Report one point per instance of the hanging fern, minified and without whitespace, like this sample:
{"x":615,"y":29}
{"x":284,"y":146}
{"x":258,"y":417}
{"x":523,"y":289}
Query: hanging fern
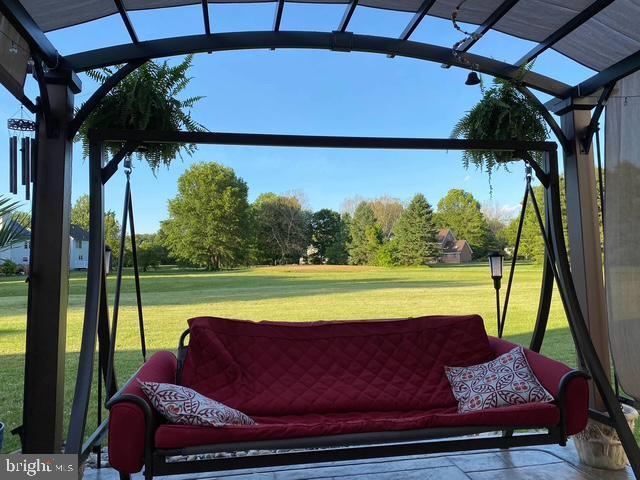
{"x":147,"y":99}
{"x":503,"y":113}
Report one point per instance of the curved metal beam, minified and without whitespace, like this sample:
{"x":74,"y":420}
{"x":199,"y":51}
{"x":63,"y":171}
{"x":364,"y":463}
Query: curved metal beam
{"x":546,"y":114}
{"x":312,"y":40}
{"x":544,"y":306}
{"x":97,"y":96}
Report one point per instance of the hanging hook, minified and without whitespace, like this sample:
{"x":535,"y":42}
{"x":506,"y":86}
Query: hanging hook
{"x":128,"y":167}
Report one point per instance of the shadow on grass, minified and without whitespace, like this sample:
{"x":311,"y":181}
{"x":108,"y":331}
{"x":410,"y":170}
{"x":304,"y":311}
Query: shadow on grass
{"x":260,"y":287}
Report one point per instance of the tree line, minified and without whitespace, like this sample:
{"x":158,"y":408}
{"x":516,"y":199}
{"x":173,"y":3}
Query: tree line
{"x":213,"y":225}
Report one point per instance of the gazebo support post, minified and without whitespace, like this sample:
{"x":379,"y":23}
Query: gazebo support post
{"x":77,"y":422}
{"x":49,"y":269}
{"x":584,"y":232}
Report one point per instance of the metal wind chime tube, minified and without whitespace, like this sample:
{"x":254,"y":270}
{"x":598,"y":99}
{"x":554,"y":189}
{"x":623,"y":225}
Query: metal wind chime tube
{"x":23,"y":130}
{"x":13,"y":165}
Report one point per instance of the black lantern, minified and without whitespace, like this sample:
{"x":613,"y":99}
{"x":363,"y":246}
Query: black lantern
{"x":107,"y":259}
{"x":472,"y":79}
{"x":496,"y":264}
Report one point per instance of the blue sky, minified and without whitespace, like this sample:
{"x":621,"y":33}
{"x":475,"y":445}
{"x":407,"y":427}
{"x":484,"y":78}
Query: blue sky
{"x":310,"y":92}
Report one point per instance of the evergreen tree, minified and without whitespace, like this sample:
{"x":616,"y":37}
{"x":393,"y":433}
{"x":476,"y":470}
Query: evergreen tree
{"x":461,"y":212}
{"x":415,"y":233}
{"x":531,"y":243}
{"x":366,"y":236}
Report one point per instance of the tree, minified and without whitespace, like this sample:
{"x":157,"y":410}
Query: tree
{"x":208,"y":223}
{"x":532,"y":245}
{"x":498,"y":218}
{"x":415,"y":233}
{"x":80,"y":217}
{"x":387,"y":254}
{"x":366,"y":236}
{"x":387,"y":211}
{"x":461,"y":212}
{"x":151,"y":252}
{"x":281,"y":228}
{"x":328,"y":237}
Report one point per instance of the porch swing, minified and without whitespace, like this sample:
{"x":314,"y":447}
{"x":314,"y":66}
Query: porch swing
{"x":294,"y":416}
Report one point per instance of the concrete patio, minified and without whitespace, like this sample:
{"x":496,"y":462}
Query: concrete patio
{"x":543,"y":463}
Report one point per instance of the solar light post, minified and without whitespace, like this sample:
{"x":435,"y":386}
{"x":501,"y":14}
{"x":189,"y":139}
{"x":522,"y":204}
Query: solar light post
{"x":107,"y":259}
{"x":496,"y":264}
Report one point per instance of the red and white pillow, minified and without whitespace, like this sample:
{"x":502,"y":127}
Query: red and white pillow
{"x":185,"y":406}
{"x":506,"y":380}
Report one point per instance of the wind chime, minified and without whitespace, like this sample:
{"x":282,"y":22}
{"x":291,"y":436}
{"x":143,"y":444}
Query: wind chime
{"x":22,"y":140}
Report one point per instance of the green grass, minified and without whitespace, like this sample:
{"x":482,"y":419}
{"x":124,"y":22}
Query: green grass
{"x":171,"y":296}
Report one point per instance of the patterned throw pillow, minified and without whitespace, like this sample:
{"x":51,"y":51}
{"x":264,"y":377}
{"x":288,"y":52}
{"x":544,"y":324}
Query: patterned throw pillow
{"x":506,"y":380}
{"x":186,"y":406}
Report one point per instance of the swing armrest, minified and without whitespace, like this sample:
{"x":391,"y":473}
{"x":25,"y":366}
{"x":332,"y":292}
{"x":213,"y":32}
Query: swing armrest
{"x":132,"y":418}
{"x":568,"y":386}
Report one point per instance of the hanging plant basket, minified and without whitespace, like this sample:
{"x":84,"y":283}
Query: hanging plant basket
{"x":503,"y":113}
{"x":147,"y":99}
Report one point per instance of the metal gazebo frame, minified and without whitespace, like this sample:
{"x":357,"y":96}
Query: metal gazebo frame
{"x":58,"y":83}
{"x":96,"y":321}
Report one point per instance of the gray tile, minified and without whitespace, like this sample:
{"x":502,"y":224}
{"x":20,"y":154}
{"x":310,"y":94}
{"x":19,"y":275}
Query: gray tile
{"x":538,"y":472}
{"x":570,"y":455}
{"x":341,"y":469}
{"x":539,"y":463}
{"x":477,"y":462}
{"x":442,"y":473}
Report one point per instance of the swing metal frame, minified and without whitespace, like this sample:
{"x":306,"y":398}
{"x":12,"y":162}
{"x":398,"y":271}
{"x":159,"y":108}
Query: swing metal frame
{"x":556,"y":270}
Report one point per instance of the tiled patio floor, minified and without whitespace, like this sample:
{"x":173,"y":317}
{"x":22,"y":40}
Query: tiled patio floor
{"x":540,"y":463}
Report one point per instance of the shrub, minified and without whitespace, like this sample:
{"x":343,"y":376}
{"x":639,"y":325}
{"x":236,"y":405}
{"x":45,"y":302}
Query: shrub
{"x":387,"y":255}
{"x":9,"y":268}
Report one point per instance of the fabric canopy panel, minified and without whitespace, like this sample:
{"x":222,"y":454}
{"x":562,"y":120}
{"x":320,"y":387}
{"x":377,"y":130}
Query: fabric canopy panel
{"x":601,"y":41}
{"x":622,"y":230}
{"x":14,"y":53}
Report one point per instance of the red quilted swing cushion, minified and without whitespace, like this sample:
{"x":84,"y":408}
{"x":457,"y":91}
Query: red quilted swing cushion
{"x":331,"y":367}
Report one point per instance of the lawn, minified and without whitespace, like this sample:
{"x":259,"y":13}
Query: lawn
{"x":305,"y":293}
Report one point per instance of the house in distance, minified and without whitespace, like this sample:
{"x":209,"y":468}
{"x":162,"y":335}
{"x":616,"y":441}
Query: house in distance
{"x":453,"y":250}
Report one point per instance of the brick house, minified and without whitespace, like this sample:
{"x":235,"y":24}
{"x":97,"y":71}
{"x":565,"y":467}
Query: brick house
{"x":453,"y":250}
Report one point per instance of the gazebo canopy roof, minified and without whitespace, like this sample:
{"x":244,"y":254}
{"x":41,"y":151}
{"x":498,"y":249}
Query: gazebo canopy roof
{"x":607,"y":33}
{"x":600,"y":34}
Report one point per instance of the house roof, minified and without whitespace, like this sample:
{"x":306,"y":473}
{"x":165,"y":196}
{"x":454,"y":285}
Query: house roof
{"x":460,"y":244}
{"x":442,"y":234}
{"x":78,"y":233}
